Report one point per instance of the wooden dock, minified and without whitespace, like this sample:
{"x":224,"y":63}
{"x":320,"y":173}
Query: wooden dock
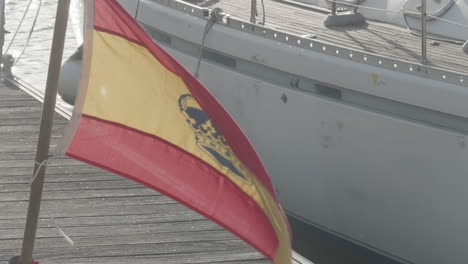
{"x":109,"y":218}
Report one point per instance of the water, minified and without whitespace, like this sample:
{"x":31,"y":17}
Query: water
{"x":33,"y":64}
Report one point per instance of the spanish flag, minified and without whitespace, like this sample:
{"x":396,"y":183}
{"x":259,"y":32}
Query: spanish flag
{"x":141,"y":115}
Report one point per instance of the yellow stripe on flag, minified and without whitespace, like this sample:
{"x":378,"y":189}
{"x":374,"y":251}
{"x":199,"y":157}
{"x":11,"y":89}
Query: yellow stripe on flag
{"x":130,"y":87}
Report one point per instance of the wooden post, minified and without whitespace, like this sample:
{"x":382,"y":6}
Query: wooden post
{"x":43,"y":143}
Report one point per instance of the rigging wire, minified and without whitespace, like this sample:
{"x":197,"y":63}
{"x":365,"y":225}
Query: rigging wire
{"x":408,"y":12}
{"x":418,"y":34}
{"x":448,"y":21}
{"x":18,"y":27}
{"x":30,"y":32}
{"x":367,"y":7}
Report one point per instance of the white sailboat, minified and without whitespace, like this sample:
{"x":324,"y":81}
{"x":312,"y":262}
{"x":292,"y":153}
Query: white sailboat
{"x":362,"y":136}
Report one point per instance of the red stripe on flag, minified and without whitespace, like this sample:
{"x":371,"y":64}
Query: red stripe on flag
{"x":110,"y":17}
{"x":166,"y":168}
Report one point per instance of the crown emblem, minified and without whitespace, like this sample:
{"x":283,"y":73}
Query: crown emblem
{"x":208,"y":137}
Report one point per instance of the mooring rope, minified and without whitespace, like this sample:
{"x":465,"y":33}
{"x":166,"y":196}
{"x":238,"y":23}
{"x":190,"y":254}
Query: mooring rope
{"x":209,"y":24}
{"x":55,"y":224}
{"x":39,"y":167}
{"x":263,"y":13}
{"x":60,"y":230}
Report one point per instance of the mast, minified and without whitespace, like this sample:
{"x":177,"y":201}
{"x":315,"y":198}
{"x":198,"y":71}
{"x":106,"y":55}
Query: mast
{"x":253,"y":11}
{"x":423,"y":32}
{"x":43,"y":143}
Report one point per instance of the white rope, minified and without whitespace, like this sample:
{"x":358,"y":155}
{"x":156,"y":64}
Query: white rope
{"x":59,"y":230}
{"x":39,"y":167}
{"x":56,"y":225}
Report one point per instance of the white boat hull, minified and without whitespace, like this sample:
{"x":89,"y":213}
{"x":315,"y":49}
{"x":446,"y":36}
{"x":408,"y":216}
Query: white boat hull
{"x":376,"y":178}
{"x":392,"y":184}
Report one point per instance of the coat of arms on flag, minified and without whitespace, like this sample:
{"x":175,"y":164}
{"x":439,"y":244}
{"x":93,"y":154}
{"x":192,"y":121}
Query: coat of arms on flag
{"x":141,"y":115}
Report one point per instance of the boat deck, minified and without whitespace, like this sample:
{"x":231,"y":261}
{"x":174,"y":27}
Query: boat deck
{"x":109,"y":218}
{"x":372,"y":37}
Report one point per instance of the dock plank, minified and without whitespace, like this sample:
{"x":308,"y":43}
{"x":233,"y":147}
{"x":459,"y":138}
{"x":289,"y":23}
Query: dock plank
{"x":109,"y":218}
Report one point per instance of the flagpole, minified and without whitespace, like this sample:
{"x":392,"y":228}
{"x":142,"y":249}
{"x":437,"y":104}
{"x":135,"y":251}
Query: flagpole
{"x":43,"y":143}
{"x":2,"y":31}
